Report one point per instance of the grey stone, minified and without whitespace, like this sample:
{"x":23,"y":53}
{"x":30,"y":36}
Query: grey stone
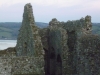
{"x":29,"y":41}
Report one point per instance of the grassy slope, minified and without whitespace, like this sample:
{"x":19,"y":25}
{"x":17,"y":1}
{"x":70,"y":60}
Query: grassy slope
{"x":5,"y":32}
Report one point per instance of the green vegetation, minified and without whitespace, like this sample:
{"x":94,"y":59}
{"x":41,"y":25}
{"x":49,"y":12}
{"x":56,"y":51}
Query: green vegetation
{"x":5,"y":29}
{"x":9,"y":30}
{"x":96,"y":28}
{"x":5,"y":34}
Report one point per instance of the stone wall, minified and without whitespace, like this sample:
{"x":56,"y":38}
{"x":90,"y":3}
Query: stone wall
{"x":5,"y":60}
{"x":27,"y":65}
{"x":76,"y":29}
{"x":64,"y":48}
{"x":5,"y":66}
{"x":21,"y":66}
{"x":82,"y":26}
{"x":71,"y":31}
{"x":54,"y":40}
{"x":88,"y":52}
{"x":28,"y":55}
{"x":29,"y":42}
{"x":9,"y":52}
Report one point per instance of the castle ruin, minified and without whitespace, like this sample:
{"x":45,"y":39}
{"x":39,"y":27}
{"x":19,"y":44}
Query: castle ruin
{"x":63,"y":48}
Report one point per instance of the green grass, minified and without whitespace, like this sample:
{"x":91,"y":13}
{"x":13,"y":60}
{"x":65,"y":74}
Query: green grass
{"x":5,"y":29}
{"x":5,"y":34}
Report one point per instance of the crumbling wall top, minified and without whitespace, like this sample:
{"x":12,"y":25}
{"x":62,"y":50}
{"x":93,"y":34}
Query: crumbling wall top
{"x":28,"y":13}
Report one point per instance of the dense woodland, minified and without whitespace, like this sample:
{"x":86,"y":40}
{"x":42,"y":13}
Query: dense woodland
{"x":9,"y":30}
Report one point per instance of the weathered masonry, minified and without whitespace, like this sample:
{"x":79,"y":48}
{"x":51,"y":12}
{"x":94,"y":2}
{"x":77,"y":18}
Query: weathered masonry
{"x":63,"y":48}
{"x":27,"y":58}
{"x":29,"y":44}
{"x":60,"y":41}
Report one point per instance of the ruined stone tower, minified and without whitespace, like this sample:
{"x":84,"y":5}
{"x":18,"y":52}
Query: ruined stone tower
{"x":63,"y":48}
{"x":29,"y":46}
{"x":29,"y":42}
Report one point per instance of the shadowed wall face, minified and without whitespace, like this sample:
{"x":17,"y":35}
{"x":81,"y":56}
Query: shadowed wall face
{"x":55,"y":50}
{"x":89,"y":55}
{"x":72,"y":38}
{"x":68,"y":58}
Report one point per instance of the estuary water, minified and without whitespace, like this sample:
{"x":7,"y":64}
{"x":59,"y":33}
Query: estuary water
{"x":4,"y":44}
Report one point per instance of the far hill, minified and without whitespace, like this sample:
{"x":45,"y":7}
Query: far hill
{"x":96,"y":28}
{"x":9,"y":30}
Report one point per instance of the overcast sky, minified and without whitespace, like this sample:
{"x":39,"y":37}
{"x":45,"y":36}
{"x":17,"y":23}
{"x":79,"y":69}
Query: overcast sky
{"x":45,"y":10}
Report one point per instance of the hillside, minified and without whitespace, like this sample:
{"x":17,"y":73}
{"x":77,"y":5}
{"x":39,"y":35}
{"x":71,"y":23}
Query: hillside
{"x":96,"y":28}
{"x":9,"y":30}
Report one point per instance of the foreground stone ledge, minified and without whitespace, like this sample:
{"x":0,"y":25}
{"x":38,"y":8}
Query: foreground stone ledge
{"x":21,"y":65}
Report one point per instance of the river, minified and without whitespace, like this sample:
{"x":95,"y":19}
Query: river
{"x":4,"y":44}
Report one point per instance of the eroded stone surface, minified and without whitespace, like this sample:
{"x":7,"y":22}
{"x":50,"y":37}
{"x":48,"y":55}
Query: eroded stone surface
{"x":5,"y":66}
{"x":27,"y":65}
{"x":9,"y":52}
{"x":28,"y":56}
{"x":70,"y":49}
{"x":72,"y":31}
{"x":88,"y":52}
{"x":29,"y":42}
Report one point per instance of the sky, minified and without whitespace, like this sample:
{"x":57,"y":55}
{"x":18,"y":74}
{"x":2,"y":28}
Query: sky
{"x":45,"y":10}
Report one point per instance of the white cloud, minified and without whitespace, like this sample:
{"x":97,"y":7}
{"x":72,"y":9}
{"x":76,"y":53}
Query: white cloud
{"x":58,"y":3}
